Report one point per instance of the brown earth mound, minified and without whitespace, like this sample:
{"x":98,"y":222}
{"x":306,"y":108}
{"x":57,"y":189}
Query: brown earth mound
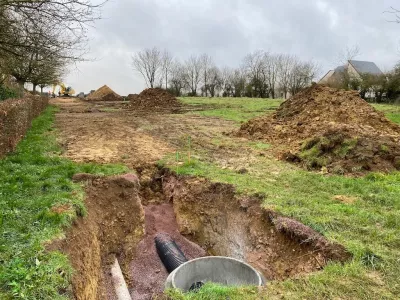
{"x":332,"y":130}
{"x":104,"y":94}
{"x":153,"y":98}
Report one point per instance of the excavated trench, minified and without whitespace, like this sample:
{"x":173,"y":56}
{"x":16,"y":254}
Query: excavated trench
{"x":124,"y":213}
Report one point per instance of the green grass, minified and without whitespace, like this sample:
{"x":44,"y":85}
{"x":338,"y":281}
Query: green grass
{"x":33,"y":180}
{"x":369,"y":228}
{"x":233,"y":109}
{"x":212,"y":291}
{"x":391,"y":111}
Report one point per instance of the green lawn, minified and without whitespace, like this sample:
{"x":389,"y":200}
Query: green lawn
{"x":243,"y":109}
{"x":235,"y":109}
{"x":368,"y":224}
{"x":392,"y":112}
{"x":33,"y":180}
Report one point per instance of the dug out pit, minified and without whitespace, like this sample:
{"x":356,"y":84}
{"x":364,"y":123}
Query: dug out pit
{"x":125,"y":213}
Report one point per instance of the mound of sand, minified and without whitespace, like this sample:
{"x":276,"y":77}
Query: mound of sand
{"x":104,"y":94}
{"x":329,"y":129}
{"x":153,"y":98}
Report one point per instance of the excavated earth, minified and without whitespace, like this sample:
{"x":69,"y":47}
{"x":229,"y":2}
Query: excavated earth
{"x":204,"y":218}
{"x":336,"y":130}
{"x":125,"y":212}
{"x":153,"y":99}
{"x":104,"y":94}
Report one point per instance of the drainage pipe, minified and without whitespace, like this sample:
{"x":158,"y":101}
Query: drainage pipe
{"x":118,"y":280}
{"x":169,"y":252}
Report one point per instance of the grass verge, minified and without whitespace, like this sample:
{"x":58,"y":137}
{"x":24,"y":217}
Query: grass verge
{"x":233,"y":109}
{"x":35,"y":180}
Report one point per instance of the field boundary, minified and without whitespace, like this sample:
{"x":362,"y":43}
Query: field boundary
{"x":16,"y":117}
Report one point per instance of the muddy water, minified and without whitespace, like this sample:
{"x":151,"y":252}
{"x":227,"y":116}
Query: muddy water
{"x":148,"y":273}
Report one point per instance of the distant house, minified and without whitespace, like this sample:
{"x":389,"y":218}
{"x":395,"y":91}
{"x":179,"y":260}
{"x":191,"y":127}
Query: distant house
{"x":354,"y":68}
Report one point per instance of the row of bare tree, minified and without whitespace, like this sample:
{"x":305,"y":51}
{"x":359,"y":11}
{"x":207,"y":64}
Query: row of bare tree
{"x":39,"y":39}
{"x":261,"y":74}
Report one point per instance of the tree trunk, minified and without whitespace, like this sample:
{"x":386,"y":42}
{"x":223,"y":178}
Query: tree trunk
{"x":41,"y":90}
{"x":166,"y":79}
{"x":34,"y":88}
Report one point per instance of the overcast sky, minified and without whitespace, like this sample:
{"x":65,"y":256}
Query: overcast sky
{"x":229,"y":29}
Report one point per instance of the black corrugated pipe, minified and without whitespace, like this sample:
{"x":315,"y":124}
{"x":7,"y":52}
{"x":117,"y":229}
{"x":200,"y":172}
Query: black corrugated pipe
{"x":169,"y":252}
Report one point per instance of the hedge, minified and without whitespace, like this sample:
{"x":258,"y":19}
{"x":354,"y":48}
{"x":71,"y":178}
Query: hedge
{"x":16,"y":116}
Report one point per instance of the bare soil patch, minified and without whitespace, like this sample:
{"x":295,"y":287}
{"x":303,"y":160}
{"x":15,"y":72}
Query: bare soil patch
{"x":322,"y":127}
{"x":89,"y":135}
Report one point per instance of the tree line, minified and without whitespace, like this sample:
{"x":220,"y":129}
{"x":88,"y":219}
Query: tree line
{"x":39,"y":39}
{"x":261,"y":74}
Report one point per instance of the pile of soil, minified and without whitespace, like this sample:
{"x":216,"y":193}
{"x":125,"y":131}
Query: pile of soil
{"x":332,"y":130}
{"x":153,"y":98}
{"x":104,"y":94}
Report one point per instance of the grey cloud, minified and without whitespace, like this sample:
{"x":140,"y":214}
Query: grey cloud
{"x":228,"y":30}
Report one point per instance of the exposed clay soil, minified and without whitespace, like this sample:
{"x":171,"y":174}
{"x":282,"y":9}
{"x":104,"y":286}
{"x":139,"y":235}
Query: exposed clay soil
{"x":153,"y":98}
{"x":148,"y":272}
{"x":113,"y":226}
{"x":323,"y":127}
{"x":215,"y":218}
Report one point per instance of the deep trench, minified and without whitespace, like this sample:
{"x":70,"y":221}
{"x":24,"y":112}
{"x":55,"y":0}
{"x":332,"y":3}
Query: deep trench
{"x":204,"y":218}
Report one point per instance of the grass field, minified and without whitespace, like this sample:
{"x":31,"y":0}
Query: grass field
{"x":365,"y":218}
{"x":392,"y":112}
{"x":33,"y":180}
{"x":235,"y":109}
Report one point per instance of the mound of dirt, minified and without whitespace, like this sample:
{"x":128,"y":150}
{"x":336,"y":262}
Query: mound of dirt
{"x":153,"y":98}
{"x":104,"y":94}
{"x":332,"y":130}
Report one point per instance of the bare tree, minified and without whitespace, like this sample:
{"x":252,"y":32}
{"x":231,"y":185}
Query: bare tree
{"x":271,"y":70}
{"x":285,"y":64}
{"x":177,"y":79}
{"x":61,"y":23}
{"x":301,"y":75}
{"x":349,"y":53}
{"x":206,"y":65}
{"x":214,"y":81}
{"x":148,"y":63}
{"x":226,"y":82}
{"x":193,"y":68}
{"x":166,"y":60}
{"x":253,"y":64}
{"x":396,"y":13}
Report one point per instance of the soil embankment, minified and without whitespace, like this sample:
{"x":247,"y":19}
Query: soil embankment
{"x":328,"y":129}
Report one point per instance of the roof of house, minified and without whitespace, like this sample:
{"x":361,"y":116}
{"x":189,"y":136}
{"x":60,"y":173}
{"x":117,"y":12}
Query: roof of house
{"x":365,"y":67}
{"x":326,"y":76}
{"x":340,"y":69}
